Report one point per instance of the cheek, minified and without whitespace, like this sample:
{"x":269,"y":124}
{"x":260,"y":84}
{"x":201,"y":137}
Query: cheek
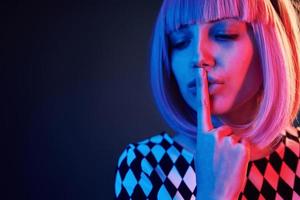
{"x":245,"y":85}
{"x":176,"y":63}
{"x":181,"y":68}
{"x":241,"y":65}
{"x":253,"y":75}
{"x":242,"y":79}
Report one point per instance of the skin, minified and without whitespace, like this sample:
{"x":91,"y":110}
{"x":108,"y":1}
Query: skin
{"x":221,"y":50}
{"x":224,"y":48}
{"x":217,"y":176}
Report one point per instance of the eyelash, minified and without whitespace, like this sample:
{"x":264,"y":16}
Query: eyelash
{"x":181,"y":44}
{"x":225,"y":37}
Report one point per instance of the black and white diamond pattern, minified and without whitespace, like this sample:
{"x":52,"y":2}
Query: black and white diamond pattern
{"x":159,"y":168}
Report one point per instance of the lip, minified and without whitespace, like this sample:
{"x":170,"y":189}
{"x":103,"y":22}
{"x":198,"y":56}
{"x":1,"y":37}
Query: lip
{"x":211,"y":81}
{"x":214,"y":85}
{"x":212,"y":88}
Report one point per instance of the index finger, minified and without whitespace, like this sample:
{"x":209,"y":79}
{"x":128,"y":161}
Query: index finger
{"x":204,"y":123}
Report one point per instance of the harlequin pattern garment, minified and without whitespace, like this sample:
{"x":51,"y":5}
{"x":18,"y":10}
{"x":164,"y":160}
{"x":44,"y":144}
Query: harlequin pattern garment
{"x":159,"y":168}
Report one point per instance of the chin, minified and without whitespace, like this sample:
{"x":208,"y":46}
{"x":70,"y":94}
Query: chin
{"x":218,"y":111}
{"x":219,"y":108}
{"x":215,"y":107}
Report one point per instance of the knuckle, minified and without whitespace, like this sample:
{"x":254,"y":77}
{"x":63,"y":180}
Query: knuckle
{"x":227,"y":140}
{"x":226,"y":127}
{"x":240,"y":146}
{"x":224,"y":130}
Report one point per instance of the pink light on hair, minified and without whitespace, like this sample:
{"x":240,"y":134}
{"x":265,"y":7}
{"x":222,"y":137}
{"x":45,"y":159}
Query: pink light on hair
{"x":276,"y":37}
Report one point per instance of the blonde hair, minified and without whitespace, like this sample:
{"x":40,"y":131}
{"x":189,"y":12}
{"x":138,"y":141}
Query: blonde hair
{"x":275,"y":29}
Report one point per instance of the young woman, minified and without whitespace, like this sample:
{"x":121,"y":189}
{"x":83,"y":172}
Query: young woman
{"x":225,"y":76}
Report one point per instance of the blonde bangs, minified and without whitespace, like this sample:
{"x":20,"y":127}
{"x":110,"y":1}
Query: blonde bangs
{"x":182,"y":12}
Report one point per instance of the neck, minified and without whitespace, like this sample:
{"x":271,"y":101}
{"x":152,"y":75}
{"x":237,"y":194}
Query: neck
{"x":234,"y":119}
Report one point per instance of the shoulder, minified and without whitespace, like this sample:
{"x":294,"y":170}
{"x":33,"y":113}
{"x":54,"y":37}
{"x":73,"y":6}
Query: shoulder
{"x":144,"y":155}
{"x":292,"y":138}
{"x":134,"y":177}
{"x":150,"y":147}
{"x":293,"y":133}
{"x":292,"y":146}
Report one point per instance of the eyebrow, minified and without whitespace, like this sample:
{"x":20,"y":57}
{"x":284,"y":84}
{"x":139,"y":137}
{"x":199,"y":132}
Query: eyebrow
{"x":236,"y":19}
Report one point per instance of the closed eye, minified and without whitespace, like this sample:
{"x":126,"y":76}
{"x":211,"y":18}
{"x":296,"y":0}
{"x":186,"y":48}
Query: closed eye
{"x":226,"y":37}
{"x":181,"y":44}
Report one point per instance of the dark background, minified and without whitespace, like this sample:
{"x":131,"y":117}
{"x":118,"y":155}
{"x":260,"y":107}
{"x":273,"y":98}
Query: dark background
{"x":74,"y":85}
{"x":75,"y":90}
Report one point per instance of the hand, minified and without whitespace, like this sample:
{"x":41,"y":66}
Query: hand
{"x":221,"y":162}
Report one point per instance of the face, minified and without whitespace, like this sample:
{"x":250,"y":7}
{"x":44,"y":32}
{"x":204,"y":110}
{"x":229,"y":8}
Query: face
{"x":225,"y":49}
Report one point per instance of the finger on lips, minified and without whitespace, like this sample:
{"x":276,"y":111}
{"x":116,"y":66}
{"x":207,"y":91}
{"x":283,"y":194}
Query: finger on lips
{"x":203,"y":104}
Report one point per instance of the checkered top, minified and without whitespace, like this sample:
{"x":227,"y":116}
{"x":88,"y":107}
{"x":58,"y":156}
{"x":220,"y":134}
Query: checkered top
{"x":159,"y":168}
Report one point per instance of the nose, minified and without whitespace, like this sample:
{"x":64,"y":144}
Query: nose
{"x":204,"y":56}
